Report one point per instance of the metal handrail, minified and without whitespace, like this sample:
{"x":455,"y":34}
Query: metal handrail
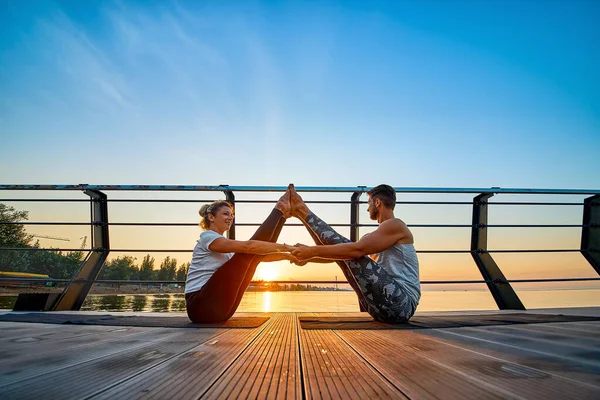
{"x":511,"y":203}
{"x":491,"y":273}
{"x":316,"y":189}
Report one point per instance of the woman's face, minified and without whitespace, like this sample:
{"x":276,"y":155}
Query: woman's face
{"x":221,"y":221}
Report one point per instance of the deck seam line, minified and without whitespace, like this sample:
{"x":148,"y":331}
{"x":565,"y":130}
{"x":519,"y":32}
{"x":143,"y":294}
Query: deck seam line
{"x":512,"y":362}
{"x":266,"y":352}
{"x":249,"y":368}
{"x":275,"y":356}
{"x":371,"y":366}
{"x":303,"y":385}
{"x":228,"y":367}
{"x":100,"y":391}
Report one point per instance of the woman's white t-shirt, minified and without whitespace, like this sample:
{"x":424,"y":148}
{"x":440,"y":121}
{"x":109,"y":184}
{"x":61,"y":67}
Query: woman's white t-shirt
{"x":204,"y":262}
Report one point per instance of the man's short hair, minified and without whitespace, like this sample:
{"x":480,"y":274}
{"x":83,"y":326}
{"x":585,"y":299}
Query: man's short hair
{"x":385,"y":193}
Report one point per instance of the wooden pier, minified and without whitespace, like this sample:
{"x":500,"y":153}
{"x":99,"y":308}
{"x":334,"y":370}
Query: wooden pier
{"x":537,"y":354}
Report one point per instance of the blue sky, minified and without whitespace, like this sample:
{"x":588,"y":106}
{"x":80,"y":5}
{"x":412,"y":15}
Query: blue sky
{"x":430,"y":93}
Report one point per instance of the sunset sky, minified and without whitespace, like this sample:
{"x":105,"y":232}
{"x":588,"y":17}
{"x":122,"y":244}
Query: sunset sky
{"x":412,"y":94}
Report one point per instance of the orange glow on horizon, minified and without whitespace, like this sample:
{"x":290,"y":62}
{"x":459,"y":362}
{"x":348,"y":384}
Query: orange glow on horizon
{"x":267,"y":271}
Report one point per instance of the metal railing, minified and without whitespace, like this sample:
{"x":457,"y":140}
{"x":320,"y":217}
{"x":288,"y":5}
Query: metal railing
{"x":505,"y":297}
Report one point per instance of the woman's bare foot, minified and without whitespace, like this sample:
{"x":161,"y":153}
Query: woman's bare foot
{"x":299,"y":209}
{"x":284,"y":204}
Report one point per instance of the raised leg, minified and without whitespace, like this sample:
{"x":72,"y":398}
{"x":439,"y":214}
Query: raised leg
{"x":220,"y":297}
{"x":383,"y":297}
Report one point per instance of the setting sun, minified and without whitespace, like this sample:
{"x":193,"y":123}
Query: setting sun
{"x":267,"y":272}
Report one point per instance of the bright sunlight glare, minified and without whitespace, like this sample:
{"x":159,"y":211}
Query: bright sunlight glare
{"x":267,"y":271}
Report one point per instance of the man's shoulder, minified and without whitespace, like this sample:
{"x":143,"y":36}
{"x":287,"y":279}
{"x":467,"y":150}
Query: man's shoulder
{"x":394,"y":226}
{"x":393,"y":223}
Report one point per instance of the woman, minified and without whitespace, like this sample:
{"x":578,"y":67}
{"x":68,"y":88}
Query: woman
{"x":217,"y":278}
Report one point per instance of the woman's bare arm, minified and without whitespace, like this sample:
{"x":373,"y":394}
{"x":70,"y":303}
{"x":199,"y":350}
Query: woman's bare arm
{"x":223,"y":245}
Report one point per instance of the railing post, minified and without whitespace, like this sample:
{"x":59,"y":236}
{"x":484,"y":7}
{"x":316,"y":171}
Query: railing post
{"x":354,"y":209}
{"x":501,"y":290}
{"x":230,"y":197}
{"x":74,"y":295}
{"x":590,"y":233}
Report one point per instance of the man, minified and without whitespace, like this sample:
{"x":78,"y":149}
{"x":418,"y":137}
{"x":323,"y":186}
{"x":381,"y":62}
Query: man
{"x":387,"y":281}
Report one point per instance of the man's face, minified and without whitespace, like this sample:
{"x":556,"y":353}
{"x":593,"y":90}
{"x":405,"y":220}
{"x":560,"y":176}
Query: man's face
{"x":372,"y":209}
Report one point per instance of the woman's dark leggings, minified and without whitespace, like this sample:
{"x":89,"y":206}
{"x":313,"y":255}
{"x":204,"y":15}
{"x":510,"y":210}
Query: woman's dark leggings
{"x":221,"y":295}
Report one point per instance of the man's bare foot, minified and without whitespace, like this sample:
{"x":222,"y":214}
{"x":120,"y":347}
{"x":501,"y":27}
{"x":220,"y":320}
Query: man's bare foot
{"x":299,"y":209}
{"x":284,"y":205}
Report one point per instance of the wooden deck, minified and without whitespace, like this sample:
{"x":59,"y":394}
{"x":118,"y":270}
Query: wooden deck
{"x":279,"y":359}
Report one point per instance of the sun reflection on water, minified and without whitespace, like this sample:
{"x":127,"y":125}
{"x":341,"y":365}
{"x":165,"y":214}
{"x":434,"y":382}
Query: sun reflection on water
{"x":266,"y":301}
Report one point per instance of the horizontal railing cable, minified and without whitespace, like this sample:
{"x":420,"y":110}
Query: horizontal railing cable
{"x":68,"y":223}
{"x":191,"y":250}
{"x":238,"y":201}
{"x":166,"y":282}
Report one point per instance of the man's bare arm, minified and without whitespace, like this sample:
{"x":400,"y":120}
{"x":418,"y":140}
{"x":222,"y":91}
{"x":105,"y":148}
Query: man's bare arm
{"x":389,"y":233}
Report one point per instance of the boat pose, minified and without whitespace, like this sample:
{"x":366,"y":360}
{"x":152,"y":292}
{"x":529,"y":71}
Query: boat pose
{"x":382,"y":267}
{"x":221,"y":269}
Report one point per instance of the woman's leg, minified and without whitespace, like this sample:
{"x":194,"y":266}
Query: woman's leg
{"x":385,"y":299}
{"x":253,"y":263}
{"x":220,"y":296}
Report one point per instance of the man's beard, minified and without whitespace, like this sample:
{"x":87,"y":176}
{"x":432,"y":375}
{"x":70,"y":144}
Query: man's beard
{"x":373,"y":215}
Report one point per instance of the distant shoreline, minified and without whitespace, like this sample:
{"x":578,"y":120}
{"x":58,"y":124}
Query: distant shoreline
{"x":145,"y":290}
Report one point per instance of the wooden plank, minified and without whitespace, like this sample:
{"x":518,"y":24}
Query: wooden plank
{"x":417,"y":375}
{"x":550,"y":333}
{"x":332,"y":370}
{"x":268,"y":368}
{"x":85,"y":378}
{"x":570,"y":357}
{"x":28,"y":332}
{"x":35,"y":345}
{"x":31,"y":363}
{"x":188,"y":375}
{"x":569,"y":330}
{"x":513,"y":375}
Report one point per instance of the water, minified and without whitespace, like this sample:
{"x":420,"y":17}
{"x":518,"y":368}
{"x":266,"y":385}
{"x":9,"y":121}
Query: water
{"x":341,"y":301}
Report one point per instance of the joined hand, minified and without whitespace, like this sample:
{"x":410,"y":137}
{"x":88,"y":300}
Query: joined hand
{"x":302,"y":252}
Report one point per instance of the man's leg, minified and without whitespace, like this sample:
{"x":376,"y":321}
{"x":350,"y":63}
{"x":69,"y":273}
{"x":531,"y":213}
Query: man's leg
{"x":362,"y":302}
{"x":385,"y":299}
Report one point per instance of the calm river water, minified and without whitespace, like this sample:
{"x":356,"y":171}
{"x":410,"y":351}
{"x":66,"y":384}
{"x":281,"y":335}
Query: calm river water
{"x":341,"y":301}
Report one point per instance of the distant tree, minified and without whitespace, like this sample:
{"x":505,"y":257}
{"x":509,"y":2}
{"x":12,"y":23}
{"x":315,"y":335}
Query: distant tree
{"x":182,"y":271}
{"x":120,"y":268}
{"x":147,"y":272}
{"x":50,"y":262}
{"x":167,"y":269}
{"x":13,"y":235}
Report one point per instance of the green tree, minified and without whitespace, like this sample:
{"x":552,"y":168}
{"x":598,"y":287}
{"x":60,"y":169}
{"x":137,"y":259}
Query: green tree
{"x":167,"y":269}
{"x":50,"y":262}
{"x":182,"y":271}
{"x":13,"y":235}
{"x":120,"y":268}
{"x":147,"y":272}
